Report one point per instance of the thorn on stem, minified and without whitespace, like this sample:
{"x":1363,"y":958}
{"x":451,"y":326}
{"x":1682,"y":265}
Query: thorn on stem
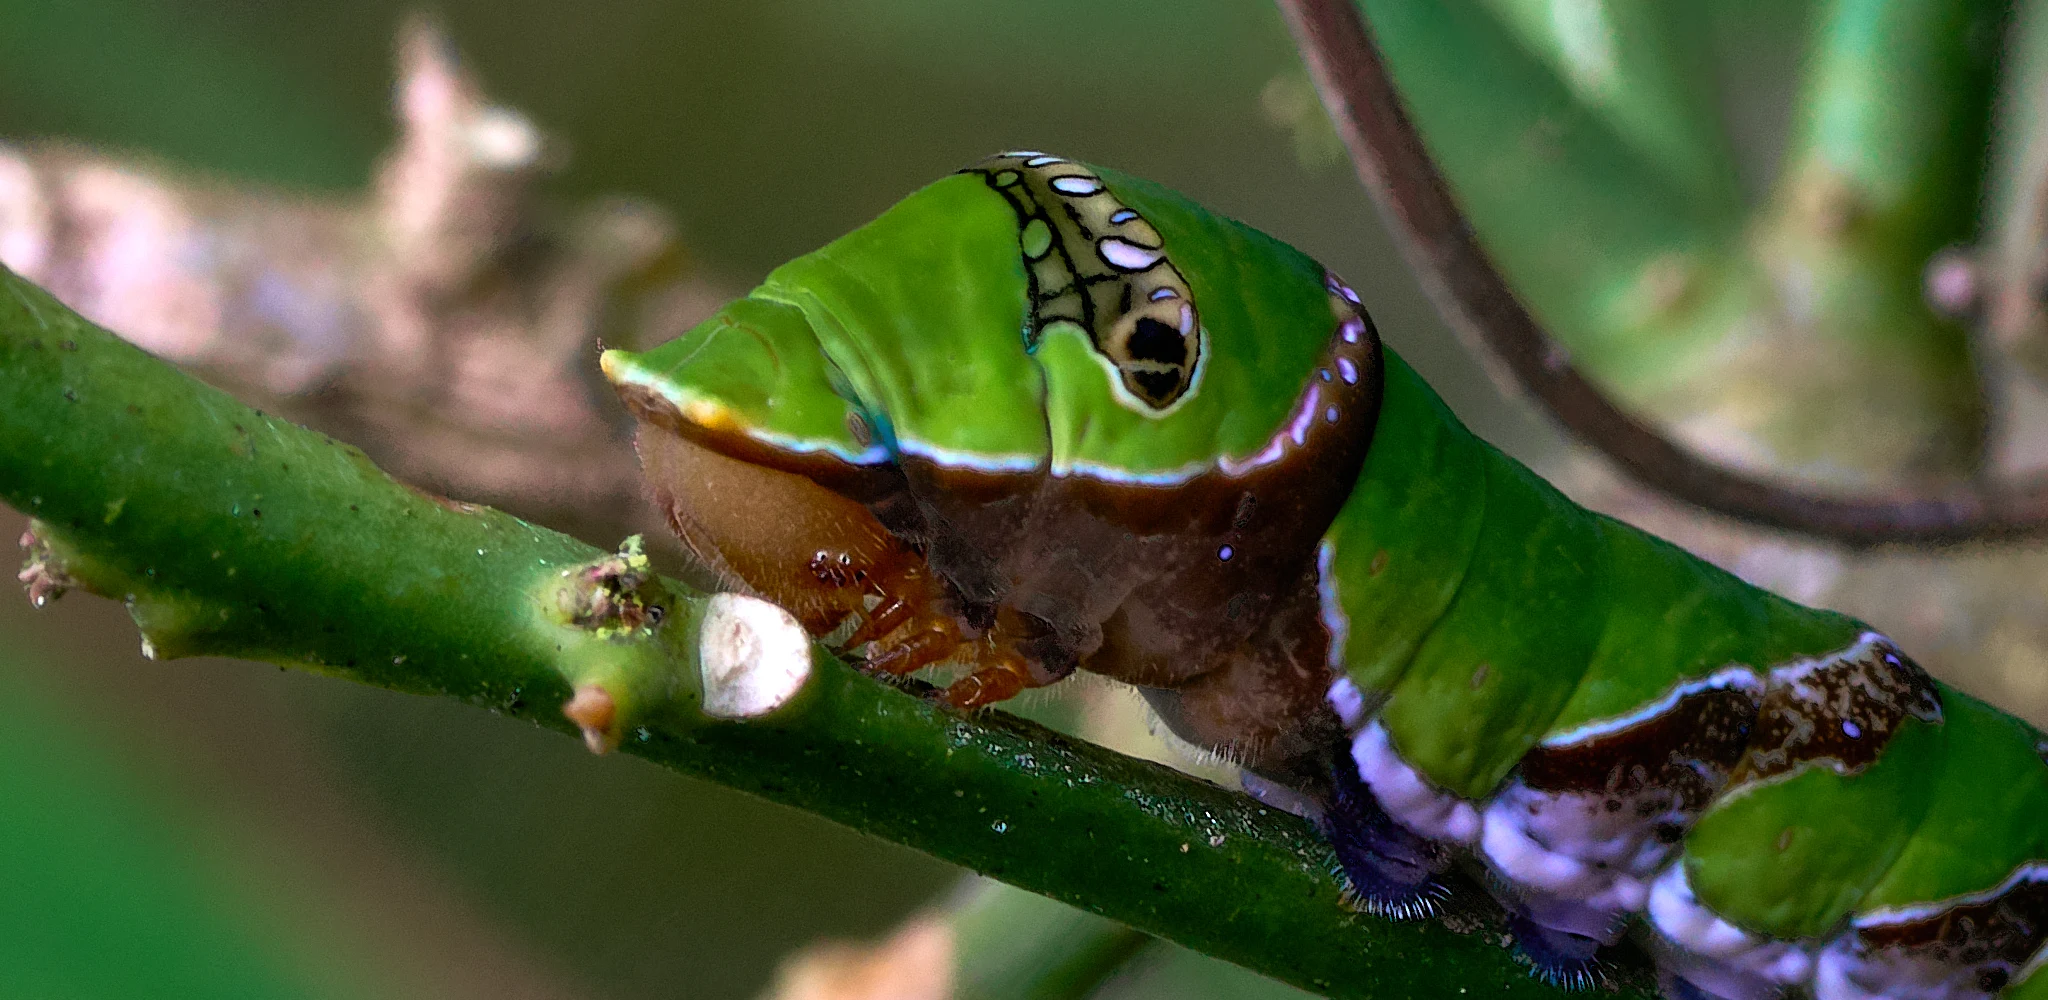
{"x":594,"y":711}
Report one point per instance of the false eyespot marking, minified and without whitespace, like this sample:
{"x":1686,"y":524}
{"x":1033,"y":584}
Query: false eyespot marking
{"x":1095,"y":263}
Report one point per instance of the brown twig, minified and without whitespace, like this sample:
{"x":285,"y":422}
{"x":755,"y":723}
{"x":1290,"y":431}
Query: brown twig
{"x":1475,"y":299}
{"x":446,"y":319}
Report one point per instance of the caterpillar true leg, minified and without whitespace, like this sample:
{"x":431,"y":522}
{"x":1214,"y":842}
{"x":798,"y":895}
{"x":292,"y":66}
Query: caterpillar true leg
{"x":815,"y":552}
{"x":1042,"y":414}
{"x":1003,"y":669}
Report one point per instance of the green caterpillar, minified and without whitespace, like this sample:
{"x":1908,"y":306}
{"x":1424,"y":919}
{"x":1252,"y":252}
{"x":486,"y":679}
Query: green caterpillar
{"x":1043,"y":416}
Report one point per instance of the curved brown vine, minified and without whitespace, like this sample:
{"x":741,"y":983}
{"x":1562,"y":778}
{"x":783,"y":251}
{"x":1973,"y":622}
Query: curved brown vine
{"x":1476,"y":300}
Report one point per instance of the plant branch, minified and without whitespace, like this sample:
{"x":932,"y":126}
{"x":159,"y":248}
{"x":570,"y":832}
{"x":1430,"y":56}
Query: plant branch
{"x":1442,"y":249}
{"x":443,"y":319}
{"x":229,"y":532}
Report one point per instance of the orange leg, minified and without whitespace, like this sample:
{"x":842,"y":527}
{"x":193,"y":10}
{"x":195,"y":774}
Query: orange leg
{"x":934,"y":639}
{"x":1000,"y":672}
{"x":894,"y":612}
{"x":908,"y":626}
{"x":818,"y":553}
{"x":999,"y":676}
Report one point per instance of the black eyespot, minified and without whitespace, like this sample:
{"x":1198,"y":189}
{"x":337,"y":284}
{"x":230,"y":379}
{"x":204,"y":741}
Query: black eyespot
{"x":1157,"y":388}
{"x":1992,"y":980}
{"x":1152,"y":340}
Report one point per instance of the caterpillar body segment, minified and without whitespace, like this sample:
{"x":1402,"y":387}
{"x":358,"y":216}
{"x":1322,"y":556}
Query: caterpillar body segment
{"x":1042,"y":417}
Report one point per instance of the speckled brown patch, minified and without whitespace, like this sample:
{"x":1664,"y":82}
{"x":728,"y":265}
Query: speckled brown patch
{"x":1688,"y":750}
{"x":1998,"y":934}
{"x":1838,"y":710}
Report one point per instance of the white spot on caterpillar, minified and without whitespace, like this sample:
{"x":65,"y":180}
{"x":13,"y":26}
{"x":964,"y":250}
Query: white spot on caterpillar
{"x":1337,"y":286}
{"x":1349,"y":370}
{"x":1162,"y":294}
{"x":1043,"y":161}
{"x":1122,"y":216}
{"x":1077,"y":185}
{"x":1126,"y":256}
{"x":752,"y":655}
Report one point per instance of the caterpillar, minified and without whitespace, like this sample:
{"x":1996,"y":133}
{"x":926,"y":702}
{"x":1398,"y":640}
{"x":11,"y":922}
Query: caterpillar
{"x":1042,"y":416}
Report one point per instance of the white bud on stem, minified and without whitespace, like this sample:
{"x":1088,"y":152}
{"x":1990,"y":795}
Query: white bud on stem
{"x":753,"y":655}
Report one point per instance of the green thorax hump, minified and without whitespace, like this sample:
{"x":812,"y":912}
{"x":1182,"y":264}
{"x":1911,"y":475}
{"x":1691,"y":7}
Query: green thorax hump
{"x":921,"y":312}
{"x":1033,"y":313}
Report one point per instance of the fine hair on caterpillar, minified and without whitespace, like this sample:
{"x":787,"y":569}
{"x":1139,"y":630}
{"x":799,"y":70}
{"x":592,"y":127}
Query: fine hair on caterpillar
{"x":1043,"y":417}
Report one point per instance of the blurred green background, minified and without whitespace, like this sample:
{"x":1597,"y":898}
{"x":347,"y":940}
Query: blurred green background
{"x":205,"y":828}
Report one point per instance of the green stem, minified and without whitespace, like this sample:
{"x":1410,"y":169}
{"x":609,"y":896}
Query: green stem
{"x":1636,"y":65}
{"x":1794,"y":340}
{"x":1883,"y":169}
{"x":228,"y":532}
{"x":1597,"y":242}
{"x":2013,"y":261}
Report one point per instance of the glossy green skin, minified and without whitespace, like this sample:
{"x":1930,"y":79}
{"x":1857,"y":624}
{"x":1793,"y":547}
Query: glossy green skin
{"x":1486,"y":563}
{"x":1490,"y":610}
{"x":1581,"y":618}
{"x":920,"y":315}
